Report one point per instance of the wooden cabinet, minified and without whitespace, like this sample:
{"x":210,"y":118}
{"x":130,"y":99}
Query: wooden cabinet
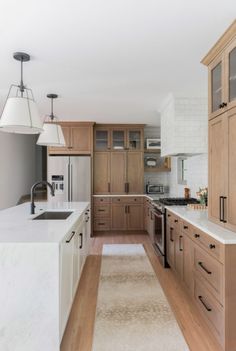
{"x":101,"y":172}
{"x":222,"y":169}
{"x":135,"y":172}
{"x":205,"y":268}
{"x":118,"y":172}
{"x":188,"y":263}
{"x":170,"y":244}
{"x":135,"y":217}
{"x":118,"y":213}
{"x":123,"y":146}
{"x":118,"y":137}
{"x":78,"y":137}
{"x":119,"y":217}
{"x":221,"y":62}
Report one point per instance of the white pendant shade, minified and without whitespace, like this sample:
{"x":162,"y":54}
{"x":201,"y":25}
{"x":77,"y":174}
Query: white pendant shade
{"x":20,"y":115}
{"x":51,"y":136}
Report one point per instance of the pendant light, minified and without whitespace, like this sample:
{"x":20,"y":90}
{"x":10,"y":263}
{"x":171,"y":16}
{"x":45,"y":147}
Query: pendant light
{"x":52,"y":134}
{"x":20,"y":113}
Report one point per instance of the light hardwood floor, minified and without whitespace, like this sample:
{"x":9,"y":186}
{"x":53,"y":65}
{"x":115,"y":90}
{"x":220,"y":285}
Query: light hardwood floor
{"x":79,"y":332}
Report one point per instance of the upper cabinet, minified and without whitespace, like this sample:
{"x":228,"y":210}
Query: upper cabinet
{"x":221,"y":62}
{"x":78,"y":137}
{"x":118,"y":138}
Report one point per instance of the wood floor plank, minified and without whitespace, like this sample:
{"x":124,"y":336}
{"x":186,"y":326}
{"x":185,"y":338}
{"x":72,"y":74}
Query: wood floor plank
{"x":79,"y":331}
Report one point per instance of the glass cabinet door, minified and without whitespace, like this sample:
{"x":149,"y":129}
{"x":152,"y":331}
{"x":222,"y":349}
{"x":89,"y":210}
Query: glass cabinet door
{"x":118,"y":139}
{"x":232,"y":75}
{"x":216,"y":87}
{"x":102,"y":140}
{"x":134,"y":139}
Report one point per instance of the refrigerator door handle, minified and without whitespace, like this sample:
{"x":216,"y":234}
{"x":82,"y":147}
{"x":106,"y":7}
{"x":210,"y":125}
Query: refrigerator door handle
{"x":68,"y":169}
{"x":71,"y":183}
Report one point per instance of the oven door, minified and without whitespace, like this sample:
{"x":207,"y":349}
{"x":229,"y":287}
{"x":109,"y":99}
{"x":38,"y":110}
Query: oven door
{"x":159,"y":237}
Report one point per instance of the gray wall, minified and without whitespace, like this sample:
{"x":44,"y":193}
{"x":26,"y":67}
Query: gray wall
{"x":17,"y":167}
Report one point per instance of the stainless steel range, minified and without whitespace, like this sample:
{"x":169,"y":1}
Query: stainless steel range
{"x":160,"y":222}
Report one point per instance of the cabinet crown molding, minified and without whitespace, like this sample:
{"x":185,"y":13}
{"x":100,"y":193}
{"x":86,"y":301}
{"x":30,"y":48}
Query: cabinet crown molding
{"x":219,"y":46}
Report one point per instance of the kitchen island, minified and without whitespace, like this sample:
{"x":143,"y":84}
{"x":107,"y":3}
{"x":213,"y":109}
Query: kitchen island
{"x":40,"y":265}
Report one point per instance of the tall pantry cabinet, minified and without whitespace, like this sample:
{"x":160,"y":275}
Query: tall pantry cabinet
{"x":118,"y":159}
{"x":221,"y":62}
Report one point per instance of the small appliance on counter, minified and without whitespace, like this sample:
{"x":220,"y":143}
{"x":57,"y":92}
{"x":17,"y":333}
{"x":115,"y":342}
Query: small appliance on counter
{"x":160,"y":223}
{"x":156,"y":188}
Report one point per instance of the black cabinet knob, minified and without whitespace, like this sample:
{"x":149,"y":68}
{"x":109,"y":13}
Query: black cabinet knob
{"x":185,"y":227}
{"x":212,"y":246}
{"x":176,"y":221}
{"x":196,"y":235}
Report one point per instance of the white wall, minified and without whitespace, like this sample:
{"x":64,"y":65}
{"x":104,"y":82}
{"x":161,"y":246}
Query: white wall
{"x":17,"y":167}
{"x":196,"y":175}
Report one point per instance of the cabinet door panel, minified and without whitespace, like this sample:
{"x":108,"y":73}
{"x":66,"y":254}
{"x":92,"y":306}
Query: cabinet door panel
{"x":81,"y":139}
{"x":231,"y":178}
{"x":101,"y":173}
{"x":179,"y":253}
{"x":118,"y":172}
{"x":170,"y":245}
{"x":135,"y":217}
{"x":217,"y":166}
{"x":135,"y":172}
{"x":188,"y":263}
{"x":118,"y":217}
{"x":230,"y":74}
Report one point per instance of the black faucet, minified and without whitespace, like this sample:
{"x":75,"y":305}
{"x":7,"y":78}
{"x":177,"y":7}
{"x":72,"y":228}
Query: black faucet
{"x":32,"y":205}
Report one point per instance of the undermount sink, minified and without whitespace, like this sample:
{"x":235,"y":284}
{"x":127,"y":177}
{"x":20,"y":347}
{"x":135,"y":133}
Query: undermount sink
{"x":49,"y":215}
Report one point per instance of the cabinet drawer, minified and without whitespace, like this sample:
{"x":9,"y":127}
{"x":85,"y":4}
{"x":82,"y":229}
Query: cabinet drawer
{"x":102,"y":211}
{"x":210,"y":309}
{"x":212,"y":246}
{"x":128,"y":199}
{"x":210,"y":270}
{"x":101,"y":200}
{"x":186,"y":228}
{"x":101,"y":224}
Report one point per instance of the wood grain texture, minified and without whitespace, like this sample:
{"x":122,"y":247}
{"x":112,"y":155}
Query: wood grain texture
{"x":79,"y":332}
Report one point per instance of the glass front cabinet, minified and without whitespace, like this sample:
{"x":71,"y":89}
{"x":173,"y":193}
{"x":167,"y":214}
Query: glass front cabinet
{"x":113,"y":138}
{"x":222,"y":81}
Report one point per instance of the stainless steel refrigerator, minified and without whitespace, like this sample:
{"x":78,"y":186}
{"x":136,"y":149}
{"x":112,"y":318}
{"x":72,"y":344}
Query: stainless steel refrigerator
{"x":70,"y":177}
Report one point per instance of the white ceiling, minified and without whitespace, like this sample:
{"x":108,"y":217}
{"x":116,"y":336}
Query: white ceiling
{"x":110,"y":60}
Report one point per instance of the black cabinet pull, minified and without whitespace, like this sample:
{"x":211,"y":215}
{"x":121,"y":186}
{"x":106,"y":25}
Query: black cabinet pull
{"x":204,"y":304}
{"x":72,"y":234}
{"x":171,"y":234}
{"x":100,"y":210}
{"x":204,"y":268}
{"x":212,"y":246}
{"x":81,"y":240}
{"x":101,"y":223}
{"x":176,"y":221}
{"x":180,"y":242}
{"x":224,"y":198}
{"x":196,"y":236}
{"x":109,"y":187}
{"x":185,"y":227}
{"x":221,"y":198}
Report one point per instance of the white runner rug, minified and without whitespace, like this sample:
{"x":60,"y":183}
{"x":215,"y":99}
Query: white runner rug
{"x":132,"y":311}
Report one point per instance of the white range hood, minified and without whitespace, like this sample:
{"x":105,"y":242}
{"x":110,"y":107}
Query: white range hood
{"x":184,"y":128}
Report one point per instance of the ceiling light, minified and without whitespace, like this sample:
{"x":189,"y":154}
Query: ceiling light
{"x":20,"y":113}
{"x":52,"y":134}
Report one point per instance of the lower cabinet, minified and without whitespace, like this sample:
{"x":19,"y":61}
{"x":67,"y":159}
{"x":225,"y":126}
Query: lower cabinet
{"x":205,"y":267}
{"x":118,"y":213}
{"x":73,"y":253}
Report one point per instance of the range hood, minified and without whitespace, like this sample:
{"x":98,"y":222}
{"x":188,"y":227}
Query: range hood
{"x":184,"y":128}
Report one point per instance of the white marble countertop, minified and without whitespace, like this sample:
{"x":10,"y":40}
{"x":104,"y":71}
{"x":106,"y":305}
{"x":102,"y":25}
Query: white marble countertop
{"x":199,"y":219}
{"x":17,"y":226}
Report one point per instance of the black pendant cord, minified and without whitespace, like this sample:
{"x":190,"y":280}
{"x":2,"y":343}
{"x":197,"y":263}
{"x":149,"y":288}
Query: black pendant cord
{"x":22,"y":88}
{"x":51,"y":115}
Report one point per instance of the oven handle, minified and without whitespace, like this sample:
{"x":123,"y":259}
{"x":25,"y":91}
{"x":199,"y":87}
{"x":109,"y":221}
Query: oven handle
{"x":157,"y":214}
